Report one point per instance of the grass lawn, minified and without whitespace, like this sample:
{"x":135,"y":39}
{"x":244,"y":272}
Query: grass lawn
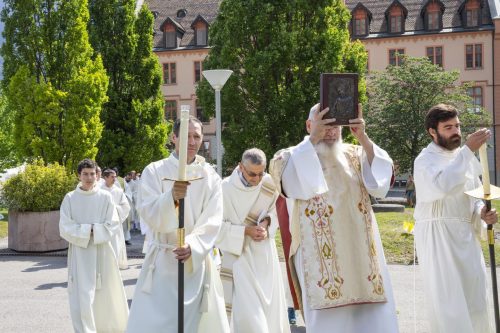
{"x":3,"y":223}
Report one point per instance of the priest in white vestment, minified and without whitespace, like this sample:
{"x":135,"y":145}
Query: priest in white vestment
{"x":336,"y":255}
{"x":449,"y":253}
{"x":154,"y":305}
{"x":122,"y":209}
{"x":88,"y":222}
{"x":249,"y":251}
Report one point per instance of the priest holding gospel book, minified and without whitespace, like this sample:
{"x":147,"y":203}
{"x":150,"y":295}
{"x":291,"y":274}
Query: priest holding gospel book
{"x":336,"y":257}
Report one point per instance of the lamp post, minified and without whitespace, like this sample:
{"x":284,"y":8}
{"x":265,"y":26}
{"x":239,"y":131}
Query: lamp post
{"x":217,"y":78}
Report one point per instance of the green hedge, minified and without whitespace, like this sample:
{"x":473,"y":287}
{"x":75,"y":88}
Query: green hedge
{"x":38,"y":188}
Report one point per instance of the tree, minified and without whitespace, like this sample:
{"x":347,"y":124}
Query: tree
{"x":8,"y":156}
{"x":277,"y":59}
{"x":54,"y":88}
{"x":400,"y":97}
{"x":135,"y":132}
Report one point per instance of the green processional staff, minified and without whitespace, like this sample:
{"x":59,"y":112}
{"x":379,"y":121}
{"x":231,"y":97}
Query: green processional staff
{"x":487,"y":193}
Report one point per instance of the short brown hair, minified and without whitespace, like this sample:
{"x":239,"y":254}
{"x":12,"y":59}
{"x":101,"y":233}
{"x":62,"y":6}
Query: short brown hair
{"x":439,"y":113}
{"x":86,"y":164}
{"x":177,"y":124}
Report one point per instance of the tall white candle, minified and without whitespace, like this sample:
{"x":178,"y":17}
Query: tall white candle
{"x":483,"y":157}
{"x":183,"y":139}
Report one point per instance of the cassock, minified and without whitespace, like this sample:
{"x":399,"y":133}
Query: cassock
{"x":154,"y":306}
{"x":97,"y":298}
{"x":336,"y":257}
{"x":449,"y":253}
{"x":258,"y":296}
{"x":122,"y":209}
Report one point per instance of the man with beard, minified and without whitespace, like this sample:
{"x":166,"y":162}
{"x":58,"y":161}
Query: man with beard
{"x":449,"y":254}
{"x":336,"y":257}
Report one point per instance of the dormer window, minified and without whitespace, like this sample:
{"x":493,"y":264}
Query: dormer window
{"x":470,"y":12}
{"x":432,"y":14}
{"x":200,"y":27}
{"x":360,"y":23}
{"x":172,"y":33}
{"x":396,"y":15}
{"x":170,"y":37}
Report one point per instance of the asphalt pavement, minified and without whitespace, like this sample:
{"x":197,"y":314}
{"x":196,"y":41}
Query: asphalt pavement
{"x":33,"y":297}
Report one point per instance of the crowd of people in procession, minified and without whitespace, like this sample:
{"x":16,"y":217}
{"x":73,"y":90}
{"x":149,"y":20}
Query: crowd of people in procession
{"x":317,"y":195}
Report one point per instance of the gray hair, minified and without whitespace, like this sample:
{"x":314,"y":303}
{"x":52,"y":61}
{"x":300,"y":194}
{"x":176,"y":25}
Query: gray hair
{"x":254,"y":156}
{"x":314,"y":109}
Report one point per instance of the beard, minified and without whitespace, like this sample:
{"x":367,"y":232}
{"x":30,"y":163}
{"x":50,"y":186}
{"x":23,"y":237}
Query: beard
{"x":450,"y":143}
{"x":331,"y":155}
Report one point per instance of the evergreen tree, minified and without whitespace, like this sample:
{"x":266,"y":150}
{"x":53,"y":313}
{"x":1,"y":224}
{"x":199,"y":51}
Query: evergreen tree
{"x":277,"y":57}
{"x":54,"y":88}
{"x":399,"y":100}
{"x":134,"y":130}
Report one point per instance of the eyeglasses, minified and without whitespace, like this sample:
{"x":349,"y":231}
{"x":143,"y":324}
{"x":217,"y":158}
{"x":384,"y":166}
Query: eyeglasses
{"x":253,"y":174}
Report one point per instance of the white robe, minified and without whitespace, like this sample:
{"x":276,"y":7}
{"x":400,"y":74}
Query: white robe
{"x":97,"y":298}
{"x":154,"y":306}
{"x":122,"y":209}
{"x":258,"y":303}
{"x":303,"y":179}
{"x":449,"y":253}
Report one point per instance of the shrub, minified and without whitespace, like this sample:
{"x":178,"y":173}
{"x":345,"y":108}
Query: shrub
{"x":38,"y":188}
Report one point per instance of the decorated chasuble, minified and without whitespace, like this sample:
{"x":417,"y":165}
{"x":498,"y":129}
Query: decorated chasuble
{"x":336,"y":236}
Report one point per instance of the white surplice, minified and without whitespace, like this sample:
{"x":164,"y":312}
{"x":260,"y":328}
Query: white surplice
{"x":154,"y":306}
{"x":258,"y":302}
{"x":122,"y":209}
{"x":448,"y":250}
{"x":97,"y":298}
{"x":303,"y":179}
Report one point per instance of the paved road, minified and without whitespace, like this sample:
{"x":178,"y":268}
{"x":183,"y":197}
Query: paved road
{"x":33,"y":295}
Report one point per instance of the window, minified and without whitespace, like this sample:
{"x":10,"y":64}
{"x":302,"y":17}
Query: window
{"x":200,"y":114}
{"x":395,"y":58}
{"x":169,"y":75}
{"x":476,"y":94}
{"x":197,"y":71}
{"x":433,"y":16}
{"x":360,"y":26}
{"x":472,"y":17}
{"x":473,"y":56}
{"x":435,"y":55}
{"x":201,"y":35}
{"x":396,"y":20}
{"x":170,"y":110}
{"x":170,"y":37}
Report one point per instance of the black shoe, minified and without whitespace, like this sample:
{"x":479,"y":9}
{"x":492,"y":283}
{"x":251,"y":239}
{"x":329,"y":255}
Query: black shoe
{"x":128,"y":242}
{"x":292,"y":320}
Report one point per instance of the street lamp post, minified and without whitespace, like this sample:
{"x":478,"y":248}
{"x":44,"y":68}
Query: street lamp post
{"x":217,"y":78}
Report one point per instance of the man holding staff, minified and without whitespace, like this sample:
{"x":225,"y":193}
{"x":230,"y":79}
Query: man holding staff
{"x":449,"y":254}
{"x":154,"y":306}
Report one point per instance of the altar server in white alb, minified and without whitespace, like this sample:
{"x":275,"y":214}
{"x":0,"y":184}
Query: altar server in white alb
{"x":447,"y":223}
{"x":336,"y":254}
{"x":154,"y":305}
{"x":250,"y":258}
{"x":122,"y":209}
{"x":88,"y":222}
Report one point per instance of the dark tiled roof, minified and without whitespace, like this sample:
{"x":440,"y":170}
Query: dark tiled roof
{"x":163,"y":9}
{"x":414,"y":21}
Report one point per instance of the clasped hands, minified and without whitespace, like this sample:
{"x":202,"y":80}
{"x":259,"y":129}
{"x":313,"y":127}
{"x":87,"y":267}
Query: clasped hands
{"x":258,"y":232}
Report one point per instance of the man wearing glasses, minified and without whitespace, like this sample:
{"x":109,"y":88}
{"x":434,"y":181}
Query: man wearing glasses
{"x":249,"y":252}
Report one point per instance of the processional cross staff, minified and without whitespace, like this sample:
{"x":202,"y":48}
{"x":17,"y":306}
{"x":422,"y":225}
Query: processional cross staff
{"x":487,"y":193}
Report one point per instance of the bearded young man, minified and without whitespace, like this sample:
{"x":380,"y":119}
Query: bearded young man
{"x":449,"y":254}
{"x":336,"y":255}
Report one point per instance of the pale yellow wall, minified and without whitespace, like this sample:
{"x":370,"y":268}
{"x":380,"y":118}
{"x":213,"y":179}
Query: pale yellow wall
{"x":184,"y":91}
{"x":453,"y":55}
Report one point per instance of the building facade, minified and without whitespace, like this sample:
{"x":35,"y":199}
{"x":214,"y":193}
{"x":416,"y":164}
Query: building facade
{"x":461,"y":35}
{"x":181,"y":43}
